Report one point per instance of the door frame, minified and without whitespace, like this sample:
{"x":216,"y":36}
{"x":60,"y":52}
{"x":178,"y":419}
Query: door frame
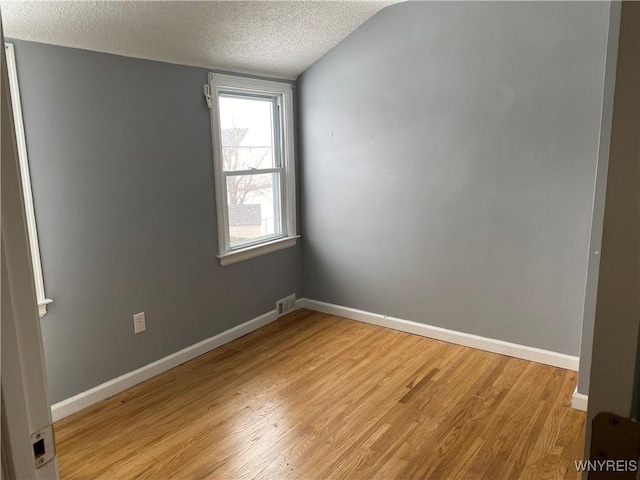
{"x":24,"y":404}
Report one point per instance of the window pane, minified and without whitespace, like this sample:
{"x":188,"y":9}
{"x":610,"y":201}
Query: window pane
{"x":253,"y":203}
{"x":246,"y":129}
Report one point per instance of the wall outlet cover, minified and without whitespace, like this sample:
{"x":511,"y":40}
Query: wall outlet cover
{"x":139,"y":323}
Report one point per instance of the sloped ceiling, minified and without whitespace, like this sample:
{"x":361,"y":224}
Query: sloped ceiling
{"x":273,"y":38}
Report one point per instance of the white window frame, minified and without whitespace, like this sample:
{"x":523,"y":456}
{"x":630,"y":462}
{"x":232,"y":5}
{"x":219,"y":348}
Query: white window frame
{"x":25,"y":176}
{"x":228,"y":83}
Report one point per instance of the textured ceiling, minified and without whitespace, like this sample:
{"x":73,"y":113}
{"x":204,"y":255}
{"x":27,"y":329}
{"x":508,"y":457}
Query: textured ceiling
{"x":273,"y":38}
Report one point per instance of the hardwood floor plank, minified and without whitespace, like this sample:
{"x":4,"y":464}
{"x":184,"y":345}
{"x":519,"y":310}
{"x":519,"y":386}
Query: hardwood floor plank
{"x":318,"y":396}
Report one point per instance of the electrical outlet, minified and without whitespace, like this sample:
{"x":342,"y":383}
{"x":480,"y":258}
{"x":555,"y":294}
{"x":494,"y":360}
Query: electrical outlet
{"x":139,"y":324}
{"x":286,"y":305}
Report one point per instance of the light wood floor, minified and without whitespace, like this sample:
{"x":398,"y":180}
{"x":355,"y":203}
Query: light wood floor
{"x":318,"y":396}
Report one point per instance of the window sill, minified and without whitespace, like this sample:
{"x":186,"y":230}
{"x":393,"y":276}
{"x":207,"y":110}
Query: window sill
{"x":42,"y":306}
{"x":257,"y":250}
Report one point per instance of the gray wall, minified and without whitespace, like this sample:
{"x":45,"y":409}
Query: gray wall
{"x":617,"y":320}
{"x":449,"y":156}
{"x":121,"y":163}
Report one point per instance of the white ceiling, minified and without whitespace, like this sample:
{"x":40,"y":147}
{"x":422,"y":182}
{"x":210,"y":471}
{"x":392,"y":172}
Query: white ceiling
{"x":273,"y":38}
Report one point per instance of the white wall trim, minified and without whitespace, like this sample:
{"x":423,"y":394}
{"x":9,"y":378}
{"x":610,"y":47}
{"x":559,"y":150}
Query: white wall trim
{"x":524,"y":352}
{"x":101,"y":392}
{"x":579,"y":401}
{"x":112,"y":387}
{"x":25,"y":177}
{"x":257,"y":250}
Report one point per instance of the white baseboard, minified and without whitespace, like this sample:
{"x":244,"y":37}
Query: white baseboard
{"x":112,"y":387}
{"x":579,"y":401}
{"x":538,"y":355}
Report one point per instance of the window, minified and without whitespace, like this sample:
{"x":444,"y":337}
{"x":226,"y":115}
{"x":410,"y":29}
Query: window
{"x":252,"y":130}
{"x":25,"y":176}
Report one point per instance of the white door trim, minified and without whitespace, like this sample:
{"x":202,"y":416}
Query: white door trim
{"x":25,"y":397}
